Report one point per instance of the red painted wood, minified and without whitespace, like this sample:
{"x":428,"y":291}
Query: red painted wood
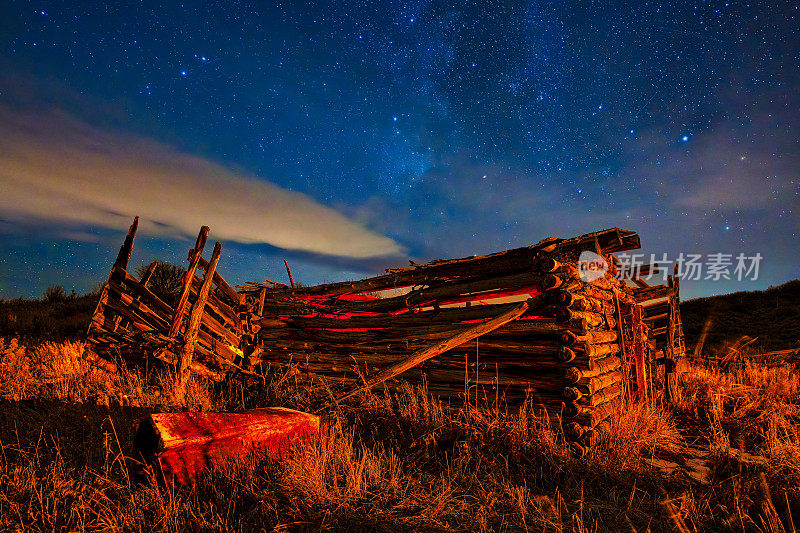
{"x":182,"y":445}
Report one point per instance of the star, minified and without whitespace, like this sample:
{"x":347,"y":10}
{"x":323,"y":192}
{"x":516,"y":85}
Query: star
{"x":297,"y":96}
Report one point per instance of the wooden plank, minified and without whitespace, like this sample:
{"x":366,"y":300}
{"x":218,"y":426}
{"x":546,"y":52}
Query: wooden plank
{"x":151,"y":268}
{"x":195,"y":255}
{"x":182,"y":445}
{"x":126,"y":249}
{"x":650,"y":293}
{"x":138,"y":305}
{"x":195,"y":318}
{"x":432,"y":351}
{"x":225,"y":311}
{"x":262,"y":294}
{"x":120,"y":303}
{"x":148,"y":296}
{"x":508,"y":262}
{"x":229,"y":291}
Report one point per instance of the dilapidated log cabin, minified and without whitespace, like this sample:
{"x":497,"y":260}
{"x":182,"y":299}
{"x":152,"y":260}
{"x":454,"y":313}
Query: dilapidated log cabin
{"x":559,"y":323}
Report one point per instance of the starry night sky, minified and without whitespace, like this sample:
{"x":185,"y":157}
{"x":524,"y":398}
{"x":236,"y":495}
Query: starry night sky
{"x":359,"y":135}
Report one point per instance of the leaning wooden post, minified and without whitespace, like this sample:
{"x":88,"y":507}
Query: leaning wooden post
{"x":670,"y":378}
{"x":151,"y":268}
{"x":291,"y":281}
{"x":262,"y":296}
{"x":190,"y":338}
{"x":123,"y":257}
{"x":125,"y":250}
{"x":424,"y":354}
{"x":194,"y":260}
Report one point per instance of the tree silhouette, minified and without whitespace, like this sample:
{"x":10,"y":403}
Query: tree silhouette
{"x":166,"y":281}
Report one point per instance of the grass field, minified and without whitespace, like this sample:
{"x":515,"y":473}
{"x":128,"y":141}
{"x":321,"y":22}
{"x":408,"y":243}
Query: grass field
{"x":400,"y":462}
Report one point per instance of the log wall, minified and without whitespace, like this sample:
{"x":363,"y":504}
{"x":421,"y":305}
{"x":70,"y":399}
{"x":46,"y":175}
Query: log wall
{"x":518,"y":324}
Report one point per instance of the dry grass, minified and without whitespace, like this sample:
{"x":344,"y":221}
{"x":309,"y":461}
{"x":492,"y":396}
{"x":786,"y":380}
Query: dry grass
{"x":751,"y":407}
{"x":398,"y":462}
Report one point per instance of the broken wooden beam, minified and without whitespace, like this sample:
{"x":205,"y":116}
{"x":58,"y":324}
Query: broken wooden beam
{"x":195,"y":318}
{"x":125,"y":250}
{"x":432,"y":351}
{"x":182,"y":445}
{"x":195,"y":254}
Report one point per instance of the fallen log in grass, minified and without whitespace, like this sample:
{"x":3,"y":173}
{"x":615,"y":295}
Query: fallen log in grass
{"x":181,"y":445}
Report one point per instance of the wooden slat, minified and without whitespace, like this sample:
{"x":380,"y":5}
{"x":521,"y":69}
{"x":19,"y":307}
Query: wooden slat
{"x":195,"y":318}
{"x":195,"y":255}
{"x":147,"y":296}
{"x":229,"y":291}
{"x":125,"y":250}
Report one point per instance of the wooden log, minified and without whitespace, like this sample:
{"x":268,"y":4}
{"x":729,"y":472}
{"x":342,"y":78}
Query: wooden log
{"x":595,"y":292}
{"x":546,"y":264}
{"x":509,"y":262}
{"x":445,"y":316}
{"x":522,"y":347}
{"x":506,"y":262}
{"x":658,"y":332}
{"x":574,"y":430}
{"x":651,"y":293}
{"x":226,"y":313}
{"x":166,"y":355}
{"x":182,"y":445}
{"x":489,"y":362}
{"x":262,"y":295}
{"x":574,"y":374}
{"x":195,"y":318}
{"x":601,"y":350}
{"x":289,"y":272}
{"x":220,"y":331}
{"x":603,"y":364}
{"x":151,"y":268}
{"x":581,"y":303}
{"x":594,"y":320}
{"x":97,"y":361}
{"x":135,"y":303}
{"x":604,"y":396}
{"x":183,"y":300}
{"x":456,"y":377}
{"x":565,"y":355}
{"x":655,"y":308}
{"x":572,"y":394}
{"x":223,"y":285}
{"x":276,"y":308}
{"x":451,"y":293}
{"x":141,"y":321}
{"x":270,"y":323}
{"x":569,"y":338}
{"x":592,"y":418}
{"x":530,"y":329}
{"x":126,"y":249}
{"x":145,"y":295}
{"x":425,"y":354}
{"x":214,"y":345}
{"x":600,"y":382}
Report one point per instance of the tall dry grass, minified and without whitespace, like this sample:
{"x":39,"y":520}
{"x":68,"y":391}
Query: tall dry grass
{"x":399,"y":461}
{"x":753,"y":407}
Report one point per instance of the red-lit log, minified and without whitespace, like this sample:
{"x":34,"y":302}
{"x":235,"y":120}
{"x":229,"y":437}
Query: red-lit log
{"x":182,"y":445}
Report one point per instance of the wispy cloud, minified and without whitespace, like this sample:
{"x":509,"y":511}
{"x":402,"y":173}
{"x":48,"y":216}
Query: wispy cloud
{"x":724,"y":174}
{"x":56,"y":168}
{"x":728,"y":168}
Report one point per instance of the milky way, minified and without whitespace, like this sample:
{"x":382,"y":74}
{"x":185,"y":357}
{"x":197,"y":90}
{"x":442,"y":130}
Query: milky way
{"x":446,"y":130}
